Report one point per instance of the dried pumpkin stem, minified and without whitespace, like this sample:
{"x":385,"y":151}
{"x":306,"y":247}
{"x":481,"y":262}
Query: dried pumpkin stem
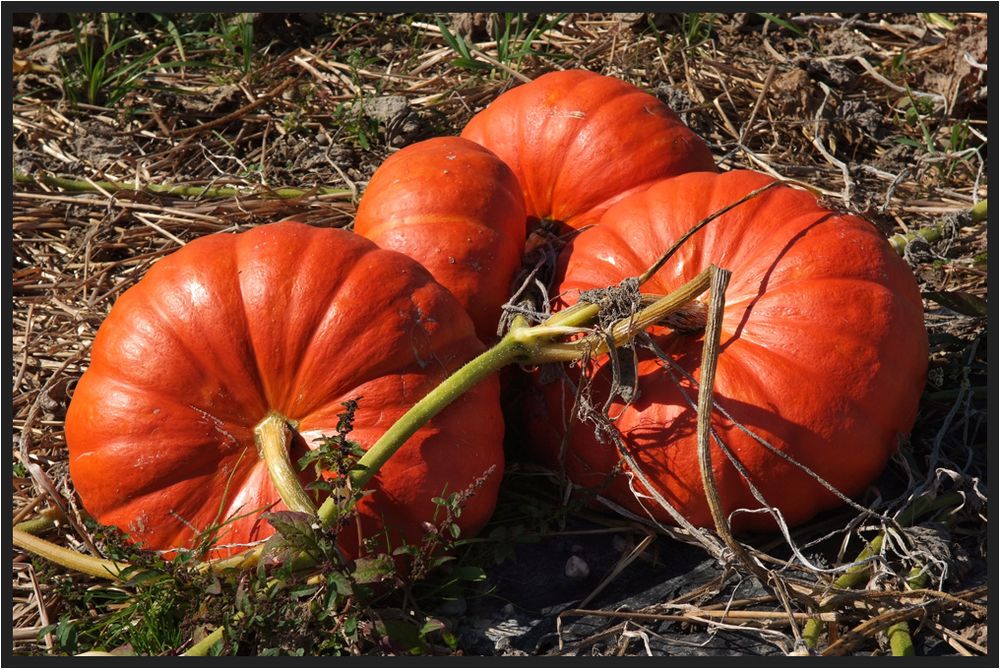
{"x":709,"y":362}
{"x":706,"y":402}
{"x":273,"y":436}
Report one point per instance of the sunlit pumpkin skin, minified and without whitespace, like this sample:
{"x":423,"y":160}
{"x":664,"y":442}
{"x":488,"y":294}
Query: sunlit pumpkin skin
{"x":823,"y":350}
{"x":289,"y":318}
{"x":457,"y":209}
{"x":579,"y":142}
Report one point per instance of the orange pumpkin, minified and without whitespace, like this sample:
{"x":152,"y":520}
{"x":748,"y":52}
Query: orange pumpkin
{"x":285,"y":318}
{"x":578,"y":142}
{"x":454,"y":207}
{"x":823,"y":352}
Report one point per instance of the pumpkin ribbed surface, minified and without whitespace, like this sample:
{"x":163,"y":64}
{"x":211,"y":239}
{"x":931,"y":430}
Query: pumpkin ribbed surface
{"x":454,"y":207}
{"x":578,"y":142}
{"x":823,"y":350}
{"x":285,"y":318}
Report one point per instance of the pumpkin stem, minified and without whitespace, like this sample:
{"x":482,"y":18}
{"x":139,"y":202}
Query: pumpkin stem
{"x":272,"y":436}
{"x":709,"y":362}
{"x":524,"y":345}
{"x":70,"y":559}
{"x":671,"y":309}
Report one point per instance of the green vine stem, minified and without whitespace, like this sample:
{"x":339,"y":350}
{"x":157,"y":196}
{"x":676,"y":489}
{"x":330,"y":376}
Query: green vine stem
{"x":525,"y":345}
{"x":846,"y":581}
{"x":858,"y":574}
{"x":70,"y":559}
{"x":87,"y":186}
{"x":509,"y":349}
{"x":930,"y":234}
{"x":935,"y":232}
{"x":978,"y":211}
{"x":202,"y":648}
{"x":900,"y":640}
{"x":273,"y":438}
{"x":45,"y":520}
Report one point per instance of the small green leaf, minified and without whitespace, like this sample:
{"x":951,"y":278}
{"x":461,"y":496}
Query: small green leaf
{"x":469,"y":573}
{"x":302,"y":591}
{"x":339,"y":582}
{"x":787,"y":25}
{"x":66,"y":635}
{"x":432,"y":625}
{"x":938,"y":20}
{"x":373,"y":570}
{"x":291,"y":524}
{"x":438,"y":561}
{"x":295,"y":527}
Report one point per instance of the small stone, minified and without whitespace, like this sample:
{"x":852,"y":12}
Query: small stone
{"x":577,"y":568}
{"x":386,"y":108}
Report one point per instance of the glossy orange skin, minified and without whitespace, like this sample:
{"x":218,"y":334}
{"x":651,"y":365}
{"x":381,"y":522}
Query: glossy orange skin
{"x":823,"y":350}
{"x":454,"y":207}
{"x":579,"y":142}
{"x":284,"y":317}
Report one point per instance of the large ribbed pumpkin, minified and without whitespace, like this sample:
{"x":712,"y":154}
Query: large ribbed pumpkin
{"x":457,"y":209}
{"x":823,"y":351}
{"x":284,"y":318}
{"x":578,"y":142}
